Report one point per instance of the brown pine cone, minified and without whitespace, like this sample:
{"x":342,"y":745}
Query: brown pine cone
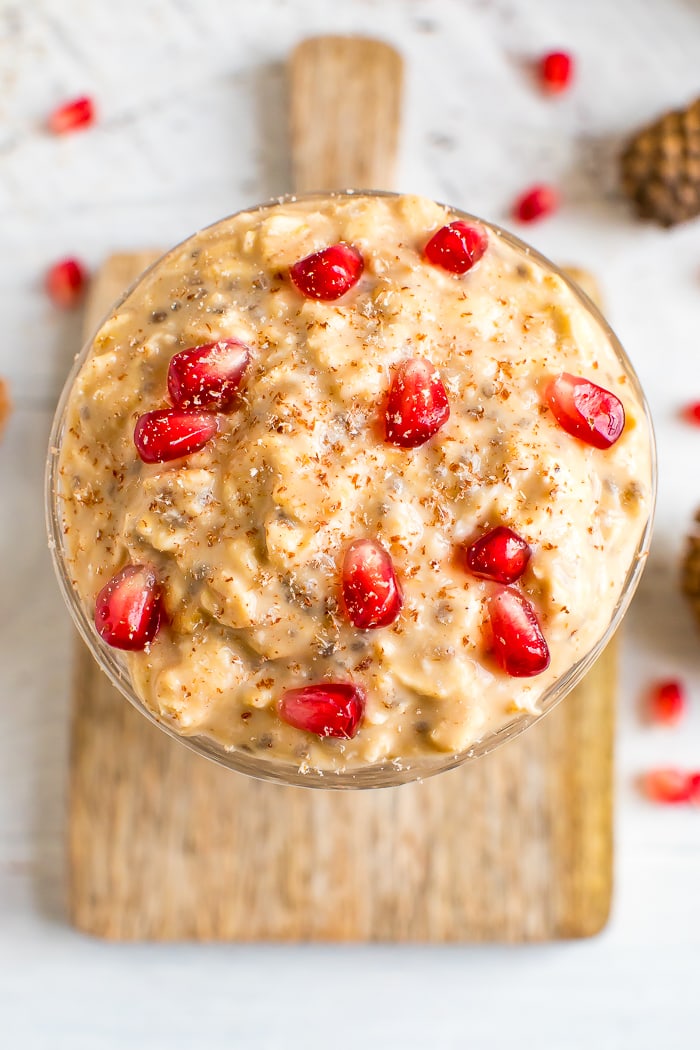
{"x":690,"y":572}
{"x":660,"y":167}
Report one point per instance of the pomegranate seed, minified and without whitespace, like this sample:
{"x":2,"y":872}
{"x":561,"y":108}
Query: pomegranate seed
{"x":65,"y":283}
{"x":330,"y":709}
{"x":519,"y":645}
{"x":208,"y":376}
{"x":371,"y":591}
{"x":328,"y":274}
{"x":691,"y":413}
{"x":128,"y":608}
{"x":586,"y":411}
{"x":170,"y":433}
{"x":695,"y":787}
{"x":457,"y":247}
{"x":535,"y":204}
{"x":79,"y":113}
{"x":556,"y":71}
{"x":667,"y":702}
{"x":499,"y":555}
{"x":417,"y":404}
{"x":668,"y":785}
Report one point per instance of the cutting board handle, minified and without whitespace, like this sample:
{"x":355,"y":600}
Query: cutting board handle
{"x":345,"y":113}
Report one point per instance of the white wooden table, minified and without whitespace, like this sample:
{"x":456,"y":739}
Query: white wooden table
{"x":192,"y":127}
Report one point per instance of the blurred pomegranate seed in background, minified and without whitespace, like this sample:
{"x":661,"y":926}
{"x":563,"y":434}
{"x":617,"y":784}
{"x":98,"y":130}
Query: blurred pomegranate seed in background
{"x":556,"y":71}
{"x":65,"y":283}
{"x":536,"y":203}
{"x":691,"y":413}
{"x":669,"y":786}
{"x":72,"y":116}
{"x":667,"y":702}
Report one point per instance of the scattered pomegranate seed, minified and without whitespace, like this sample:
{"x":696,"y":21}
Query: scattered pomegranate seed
{"x":586,"y":411}
{"x":667,"y":702}
{"x":330,"y":709}
{"x":499,"y":555}
{"x":170,"y":433}
{"x":535,"y":204}
{"x":695,"y":787}
{"x":128,"y":608}
{"x":457,"y":247}
{"x":519,"y":645}
{"x":556,"y":71}
{"x":65,"y":283}
{"x":417,"y":404}
{"x":691,"y":413}
{"x":208,"y":376}
{"x":328,"y":274}
{"x":78,"y":113}
{"x":371,"y":592}
{"x":669,"y":785}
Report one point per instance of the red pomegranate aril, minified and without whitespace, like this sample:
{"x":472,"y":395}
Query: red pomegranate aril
{"x":417,"y":404}
{"x":171,"y":433}
{"x":457,"y":247}
{"x":78,"y":113}
{"x":371,"y":592}
{"x":327,"y":709}
{"x":536,"y":203}
{"x":668,"y":786}
{"x":128,"y":608}
{"x":695,"y":787}
{"x":667,"y":702}
{"x":328,"y":274}
{"x":499,"y":555}
{"x":65,"y":283}
{"x":208,"y":376}
{"x":586,"y":411}
{"x":556,"y":71}
{"x":691,"y":413}
{"x":519,"y":645}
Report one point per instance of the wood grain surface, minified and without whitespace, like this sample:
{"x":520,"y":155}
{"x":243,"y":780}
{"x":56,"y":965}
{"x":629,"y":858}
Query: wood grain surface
{"x":345,"y":102}
{"x":165,"y":845}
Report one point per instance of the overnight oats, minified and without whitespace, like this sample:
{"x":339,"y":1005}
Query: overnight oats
{"x":350,"y":482}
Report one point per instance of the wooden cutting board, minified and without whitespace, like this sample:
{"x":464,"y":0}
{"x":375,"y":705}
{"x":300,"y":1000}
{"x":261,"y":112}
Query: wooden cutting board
{"x":166,"y":845}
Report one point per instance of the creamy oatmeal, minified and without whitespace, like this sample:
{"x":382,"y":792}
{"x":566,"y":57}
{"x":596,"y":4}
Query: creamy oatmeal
{"x":254,"y":538}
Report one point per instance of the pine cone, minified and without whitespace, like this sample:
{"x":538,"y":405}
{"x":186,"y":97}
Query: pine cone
{"x":660,"y":167}
{"x":690,"y":572}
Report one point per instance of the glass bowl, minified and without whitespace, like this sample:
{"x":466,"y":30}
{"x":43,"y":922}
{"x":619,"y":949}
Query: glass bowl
{"x":385,"y":774}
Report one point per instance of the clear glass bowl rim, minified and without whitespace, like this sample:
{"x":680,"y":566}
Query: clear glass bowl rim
{"x":386,"y":774}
